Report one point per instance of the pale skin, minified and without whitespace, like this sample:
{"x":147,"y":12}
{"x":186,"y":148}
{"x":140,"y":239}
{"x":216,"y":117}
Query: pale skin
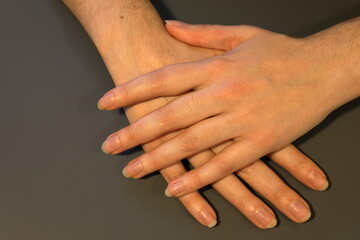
{"x":132,"y":40}
{"x":264,"y":92}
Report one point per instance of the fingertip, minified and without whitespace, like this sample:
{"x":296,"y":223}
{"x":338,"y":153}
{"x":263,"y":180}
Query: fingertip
{"x":318,"y":180}
{"x":167,"y":193}
{"x":213,"y":224}
{"x":266,"y":218}
{"x":110,"y":145}
{"x":175,"y":188}
{"x":106,"y":101}
{"x":325,"y":187}
{"x":175,"y":23}
{"x":300,"y":211}
{"x":207,"y":217}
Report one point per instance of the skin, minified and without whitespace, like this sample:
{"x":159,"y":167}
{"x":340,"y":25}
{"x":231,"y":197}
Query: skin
{"x":114,"y":26}
{"x":264,"y":92}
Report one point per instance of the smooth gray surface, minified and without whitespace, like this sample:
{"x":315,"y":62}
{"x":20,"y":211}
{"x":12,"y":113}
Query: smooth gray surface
{"x":56,"y":184}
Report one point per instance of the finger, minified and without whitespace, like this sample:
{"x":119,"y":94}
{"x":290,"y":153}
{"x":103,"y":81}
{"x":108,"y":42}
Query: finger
{"x":301,"y":167}
{"x":178,"y":114}
{"x":197,"y":206}
{"x":197,"y":138}
{"x":263,"y":180}
{"x":266,"y":182}
{"x":169,"y":81}
{"x":236,"y":156}
{"x":233,"y":190}
{"x":212,"y":36}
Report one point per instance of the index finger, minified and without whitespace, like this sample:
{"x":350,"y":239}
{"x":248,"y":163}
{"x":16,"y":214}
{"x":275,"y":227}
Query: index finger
{"x":168,"y":81}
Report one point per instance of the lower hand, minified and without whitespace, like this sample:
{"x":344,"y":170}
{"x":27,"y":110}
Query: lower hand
{"x":257,"y":175}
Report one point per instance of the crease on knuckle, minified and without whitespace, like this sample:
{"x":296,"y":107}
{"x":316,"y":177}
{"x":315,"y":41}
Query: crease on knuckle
{"x":195,"y":180}
{"x":246,"y":172}
{"x":157,"y":79}
{"x":127,"y":135}
{"x":224,"y":167}
{"x":265,"y":139}
{"x":151,"y":162}
{"x":189,"y":142}
{"x":280,"y":193}
{"x":189,"y":103}
{"x":241,"y":203}
{"x":166,"y":115}
{"x":125,"y":91}
{"x":190,"y":201}
{"x":173,"y":174}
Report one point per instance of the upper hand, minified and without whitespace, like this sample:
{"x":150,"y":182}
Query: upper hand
{"x":135,"y":92}
{"x":260,"y":93}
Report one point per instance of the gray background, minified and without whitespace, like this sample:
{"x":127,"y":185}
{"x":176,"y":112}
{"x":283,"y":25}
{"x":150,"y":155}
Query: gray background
{"x":56,"y":184}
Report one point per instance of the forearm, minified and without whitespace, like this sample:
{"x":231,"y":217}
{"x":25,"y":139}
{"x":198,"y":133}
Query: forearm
{"x":338,"y":55}
{"x":131,"y":38}
{"x":124,"y":31}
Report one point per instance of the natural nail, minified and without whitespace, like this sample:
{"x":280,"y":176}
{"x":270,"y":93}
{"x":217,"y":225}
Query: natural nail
{"x":132,"y":169}
{"x":266,"y":218}
{"x":299,"y":211}
{"x":174,"y":188}
{"x":318,"y":180}
{"x":207,"y":218}
{"x":111,"y":144}
{"x":106,"y":101}
{"x":175,"y":23}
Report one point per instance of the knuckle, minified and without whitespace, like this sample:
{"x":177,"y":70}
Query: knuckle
{"x":189,"y":200}
{"x":157,"y":79}
{"x":189,"y":142}
{"x":189,"y":102}
{"x":166,"y":115}
{"x":246,"y":172}
{"x":217,"y":65}
{"x":221,"y":62}
{"x":303,"y":164}
{"x":127,"y":135}
{"x":265,"y":139}
{"x":125,"y":91}
{"x":152,"y":161}
{"x":195,"y":180}
{"x":228,"y":92}
{"x":224,"y":167}
{"x":171,"y":175}
{"x":203,"y":27}
{"x":280,"y":193}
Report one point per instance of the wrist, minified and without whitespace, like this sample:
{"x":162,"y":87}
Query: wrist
{"x":338,"y":49}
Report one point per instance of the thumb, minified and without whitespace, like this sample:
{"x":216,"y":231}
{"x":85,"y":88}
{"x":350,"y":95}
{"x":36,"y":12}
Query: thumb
{"x":212,"y":36}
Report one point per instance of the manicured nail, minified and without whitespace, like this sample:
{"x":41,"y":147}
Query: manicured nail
{"x":111,"y":144}
{"x":174,"y":188}
{"x":318,"y":180}
{"x":175,"y":23}
{"x":299,"y":211}
{"x":106,"y":101}
{"x":132,"y":169}
{"x":266,"y":218}
{"x":207,"y":218}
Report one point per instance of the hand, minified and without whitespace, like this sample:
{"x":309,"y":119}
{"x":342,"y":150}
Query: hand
{"x":258,"y":175}
{"x":261,"y":90}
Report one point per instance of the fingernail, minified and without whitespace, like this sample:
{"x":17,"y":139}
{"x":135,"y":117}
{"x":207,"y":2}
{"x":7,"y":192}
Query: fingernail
{"x":106,"y":101}
{"x":175,"y":23}
{"x":266,"y":218}
{"x":111,"y":144}
{"x":132,"y":169}
{"x":207,"y":218}
{"x":174,"y":188}
{"x":318,"y":180}
{"x":299,"y":211}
